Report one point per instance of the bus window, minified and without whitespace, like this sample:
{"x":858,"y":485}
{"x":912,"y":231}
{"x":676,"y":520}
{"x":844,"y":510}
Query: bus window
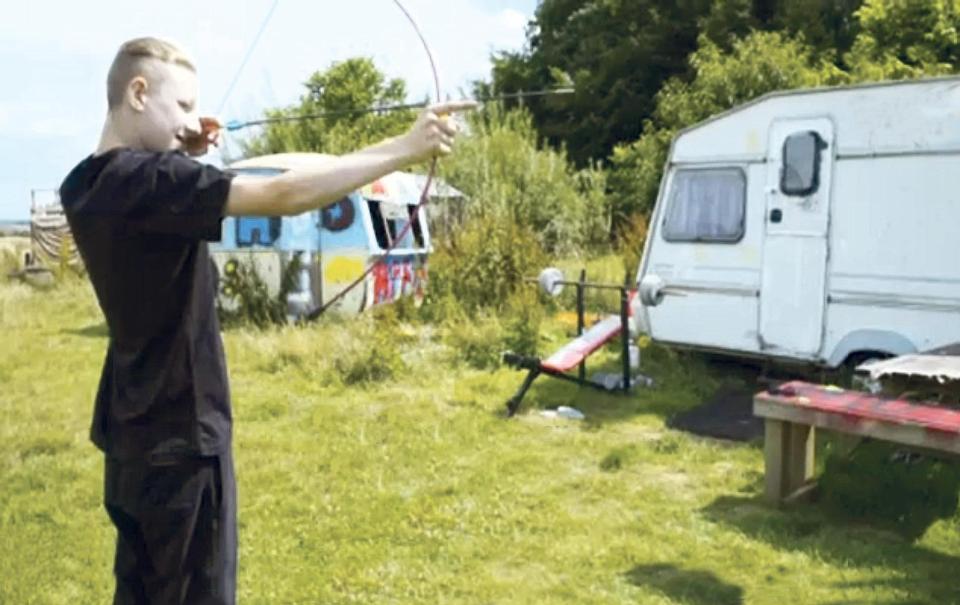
{"x":416,"y":229}
{"x":257,"y":231}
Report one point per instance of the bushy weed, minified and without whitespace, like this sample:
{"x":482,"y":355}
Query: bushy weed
{"x":485,"y":264}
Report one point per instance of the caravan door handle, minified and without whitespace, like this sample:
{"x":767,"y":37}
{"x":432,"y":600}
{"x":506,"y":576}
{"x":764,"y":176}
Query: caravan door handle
{"x":776,"y":215}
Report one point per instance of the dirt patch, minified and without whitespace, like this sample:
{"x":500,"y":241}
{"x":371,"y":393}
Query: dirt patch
{"x":728,"y":414}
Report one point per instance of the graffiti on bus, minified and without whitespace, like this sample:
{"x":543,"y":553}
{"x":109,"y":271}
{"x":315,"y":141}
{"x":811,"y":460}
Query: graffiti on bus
{"x":399,"y":276}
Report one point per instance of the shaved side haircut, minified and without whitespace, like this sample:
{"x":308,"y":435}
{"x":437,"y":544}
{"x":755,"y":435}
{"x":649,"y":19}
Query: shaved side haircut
{"x":131,"y":59}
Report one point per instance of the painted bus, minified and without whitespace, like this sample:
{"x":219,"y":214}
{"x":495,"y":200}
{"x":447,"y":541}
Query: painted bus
{"x":329,"y":249}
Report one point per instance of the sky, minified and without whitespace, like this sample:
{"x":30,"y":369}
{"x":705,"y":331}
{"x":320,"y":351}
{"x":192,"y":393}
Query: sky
{"x":55,"y":56}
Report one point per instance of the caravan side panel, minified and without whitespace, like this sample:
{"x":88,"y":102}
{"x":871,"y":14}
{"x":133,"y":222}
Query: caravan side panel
{"x":893,"y":271}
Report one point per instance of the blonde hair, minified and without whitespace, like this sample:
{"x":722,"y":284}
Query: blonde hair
{"x":130,"y":59}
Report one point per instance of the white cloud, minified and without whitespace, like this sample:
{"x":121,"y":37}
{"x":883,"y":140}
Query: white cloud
{"x":513,"y":20}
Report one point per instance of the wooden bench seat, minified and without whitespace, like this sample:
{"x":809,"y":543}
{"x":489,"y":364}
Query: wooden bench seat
{"x":793,"y":412}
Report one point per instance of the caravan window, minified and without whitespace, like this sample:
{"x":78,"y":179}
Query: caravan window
{"x":706,"y":206}
{"x":800,"y":175}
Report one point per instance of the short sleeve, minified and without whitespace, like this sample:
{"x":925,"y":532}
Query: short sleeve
{"x":173,"y":194}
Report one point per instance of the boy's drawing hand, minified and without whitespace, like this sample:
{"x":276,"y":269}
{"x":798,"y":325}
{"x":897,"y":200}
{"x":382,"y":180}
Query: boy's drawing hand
{"x":433,"y":133}
{"x":196,"y":143}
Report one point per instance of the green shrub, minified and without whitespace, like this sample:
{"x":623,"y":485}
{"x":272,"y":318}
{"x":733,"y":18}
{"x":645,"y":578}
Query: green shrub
{"x":485,"y":264}
{"x":524,"y":316}
{"x":252,"y":302}
{"x":439,"y":306}
{"x":507,"y":175}
{"x":373,"y":358}
{"x":395,"y":313}
{"x":477,"y":341}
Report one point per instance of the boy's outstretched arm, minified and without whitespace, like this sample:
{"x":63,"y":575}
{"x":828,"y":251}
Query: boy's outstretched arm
{"x":306,"y":188}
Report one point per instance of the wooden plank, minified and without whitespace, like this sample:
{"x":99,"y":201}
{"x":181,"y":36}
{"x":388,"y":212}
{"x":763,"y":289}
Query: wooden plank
{"x":863,"y":406}
{"x":800,"y":456}
{"x":907,"y":434}
{"x":788,"y":451}
{"x":804,"y":494}
{"x":774,"y":449}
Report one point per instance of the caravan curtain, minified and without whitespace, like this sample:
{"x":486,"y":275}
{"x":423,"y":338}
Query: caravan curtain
{"x":706,"y":205}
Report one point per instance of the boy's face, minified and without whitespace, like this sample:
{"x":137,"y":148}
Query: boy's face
{"x":164,"y":106}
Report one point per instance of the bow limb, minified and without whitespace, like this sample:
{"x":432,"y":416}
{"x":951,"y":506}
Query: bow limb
{"x":436,"y":85}
{"x":431,"y":174}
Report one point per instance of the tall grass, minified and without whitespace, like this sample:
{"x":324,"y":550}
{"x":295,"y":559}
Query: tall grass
{"x":11,"y":254}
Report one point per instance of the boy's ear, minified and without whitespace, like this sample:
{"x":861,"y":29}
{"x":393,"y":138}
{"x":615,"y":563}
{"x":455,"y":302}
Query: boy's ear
{"x":137,"y":93}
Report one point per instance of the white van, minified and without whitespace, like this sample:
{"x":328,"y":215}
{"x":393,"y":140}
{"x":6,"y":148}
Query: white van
{"x":818,"y":226}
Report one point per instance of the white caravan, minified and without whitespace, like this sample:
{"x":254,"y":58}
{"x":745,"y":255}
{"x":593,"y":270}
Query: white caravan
{"x":817,"y":226}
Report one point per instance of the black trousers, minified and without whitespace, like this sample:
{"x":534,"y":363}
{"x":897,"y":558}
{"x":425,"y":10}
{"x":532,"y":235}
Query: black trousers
{"x":176,"y":530}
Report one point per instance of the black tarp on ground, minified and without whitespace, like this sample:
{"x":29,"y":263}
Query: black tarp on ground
{"x":728,"y":414}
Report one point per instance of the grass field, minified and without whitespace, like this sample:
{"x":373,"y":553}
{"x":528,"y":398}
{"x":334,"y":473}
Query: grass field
{"x":413,"y":488}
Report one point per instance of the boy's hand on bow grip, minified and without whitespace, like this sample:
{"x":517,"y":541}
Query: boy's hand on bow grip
{"x":197,"y":143}
{"x":434,"y":133}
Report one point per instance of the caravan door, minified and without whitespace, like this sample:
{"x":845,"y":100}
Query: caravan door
{"x":800,"y":160}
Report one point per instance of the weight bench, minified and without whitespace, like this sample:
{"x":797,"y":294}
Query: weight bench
{"x":575,"y":353}
{"x":793,"y":411}
{"x":572,"y":354}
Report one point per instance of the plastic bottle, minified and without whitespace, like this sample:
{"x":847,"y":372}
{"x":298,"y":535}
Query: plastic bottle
{"x":569,"y":413}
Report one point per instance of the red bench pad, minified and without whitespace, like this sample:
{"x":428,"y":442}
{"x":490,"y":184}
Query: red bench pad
{"x":577,"y":350}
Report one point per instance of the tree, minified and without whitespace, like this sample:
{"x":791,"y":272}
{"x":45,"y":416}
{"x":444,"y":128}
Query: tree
{"x":616,"y":53}
{"x":829,"y":27}
{"x":906,"y":39}
{"x":619,"y":53}
{"x":338,"y":92}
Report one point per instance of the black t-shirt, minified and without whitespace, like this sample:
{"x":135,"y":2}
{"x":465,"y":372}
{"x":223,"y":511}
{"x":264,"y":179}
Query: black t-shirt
{"x":140,"y":220}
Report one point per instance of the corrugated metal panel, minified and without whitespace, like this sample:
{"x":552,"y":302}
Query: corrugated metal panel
{"x":941,"y":365}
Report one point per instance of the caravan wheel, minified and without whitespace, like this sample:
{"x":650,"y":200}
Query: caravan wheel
{"x":856,"y":380}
